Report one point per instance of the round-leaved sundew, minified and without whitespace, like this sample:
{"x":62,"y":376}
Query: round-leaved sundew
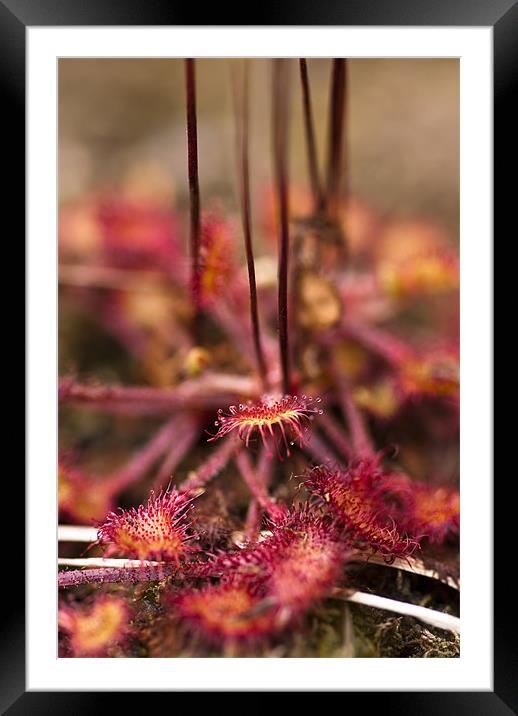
{"x":279,"y":423}
{"x":158,"y":530}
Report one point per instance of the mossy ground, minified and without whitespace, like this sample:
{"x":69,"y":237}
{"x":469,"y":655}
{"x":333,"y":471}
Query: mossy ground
{"x":334,"y":629}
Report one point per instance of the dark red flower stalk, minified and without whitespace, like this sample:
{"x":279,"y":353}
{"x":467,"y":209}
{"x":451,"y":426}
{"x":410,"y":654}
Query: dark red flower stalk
{"x":358,"y":497}
{"x":194,"y":187}
{"x":92,"y":630}
{"x":280,"y":153}
{"x":337,"y":111}
{"x":242,"y":131}
{"x":316,"y":187}
{"x":156,"y":531}
{"x":278,"y":422}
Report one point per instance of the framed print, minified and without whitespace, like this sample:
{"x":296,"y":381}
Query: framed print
{"x":259,"y":263}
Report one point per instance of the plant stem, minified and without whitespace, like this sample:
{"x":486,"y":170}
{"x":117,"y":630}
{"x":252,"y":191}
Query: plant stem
{"x":264,"y":472}
{"x":330,"y":427}
{"x":391,"y":349}
{"x":318,"y":194}
{"x":280,"y":153}
{"x":256,"y":485}
{"x":429,"y":616}
{"x":76,"y":533}
{"x":361,"y":441}
{"x":144,"y":572}
{"x":145,"y":458}
{"x":206,"y":392}
{"x":216,"y":462}
{"x":253,"y":519}
{"x":319,"y":451}
{"x":184,"y":440}
{"x":409,"y":564}
{"x":194,"y":189}
{"x":242,"y":134}
{"x":105,"y":562}
{"x":336,"y":134}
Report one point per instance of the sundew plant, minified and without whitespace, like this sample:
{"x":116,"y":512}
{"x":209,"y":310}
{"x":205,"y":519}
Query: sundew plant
{"x":259,"y":404}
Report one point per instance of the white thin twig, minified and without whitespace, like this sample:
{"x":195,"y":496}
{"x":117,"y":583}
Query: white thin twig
{"x":410,"y":564}
{"x":76,"y":533}
{"x":79,"y":533}
{"x":430,"y":616}
{"x":102,"y":562}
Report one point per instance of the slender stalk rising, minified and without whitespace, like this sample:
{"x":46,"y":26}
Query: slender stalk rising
{"x":194,"y":188}
{"x":242,"y":103}
{"x":316,"y":186}
{"x":280,"y":153}
{"x":336,"y":133}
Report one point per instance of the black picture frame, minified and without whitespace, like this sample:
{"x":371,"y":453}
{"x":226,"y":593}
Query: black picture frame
{"x":502,"y":16}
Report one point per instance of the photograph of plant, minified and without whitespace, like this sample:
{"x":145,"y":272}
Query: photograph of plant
{"x":258,"y":358}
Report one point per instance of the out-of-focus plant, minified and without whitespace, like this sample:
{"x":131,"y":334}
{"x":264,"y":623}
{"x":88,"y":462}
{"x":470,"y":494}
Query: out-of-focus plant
{"x":201,"y":327}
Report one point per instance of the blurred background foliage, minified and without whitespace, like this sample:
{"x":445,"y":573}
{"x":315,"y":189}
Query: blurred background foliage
{"x":122,"y":122}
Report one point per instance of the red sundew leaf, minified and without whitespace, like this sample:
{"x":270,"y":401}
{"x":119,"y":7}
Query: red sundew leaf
{"x":426,"y":273}
{"x":282,"y":576}
{"x":137,"y":234}
{"x":359,"y":496}
{"x":232,"y":611}
{"x":94,"y":628}
{"x":402,"y":239}
{"x":430,"y":511}
{"x":259,"y":558}
{"x":436,"y":513}
{"x":436,"y":374}
{"x":218,"y":268}
{"x":158,"y":530}
{"x":278,"y":422}
{"x":307,"y":554}
{"x":80,"y":498}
